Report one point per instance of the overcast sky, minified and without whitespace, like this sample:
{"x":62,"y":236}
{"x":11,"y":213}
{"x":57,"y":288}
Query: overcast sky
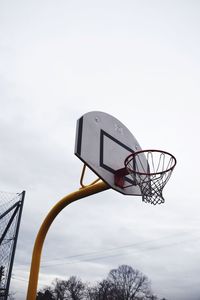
{"x":138,"y":61}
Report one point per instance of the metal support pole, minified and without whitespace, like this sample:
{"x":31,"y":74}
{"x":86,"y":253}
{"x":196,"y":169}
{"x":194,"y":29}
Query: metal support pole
{"x":37,"y":250}
{"x":18,"y":209}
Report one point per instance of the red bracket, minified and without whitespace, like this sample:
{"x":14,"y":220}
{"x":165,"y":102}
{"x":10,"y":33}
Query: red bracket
{"x":119,"y":177}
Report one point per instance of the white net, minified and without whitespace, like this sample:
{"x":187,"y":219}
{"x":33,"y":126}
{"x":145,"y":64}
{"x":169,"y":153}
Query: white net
{"x":152,"y":175}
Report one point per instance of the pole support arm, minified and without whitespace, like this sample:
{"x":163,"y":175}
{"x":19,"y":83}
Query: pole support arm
{"x":39,"y":241}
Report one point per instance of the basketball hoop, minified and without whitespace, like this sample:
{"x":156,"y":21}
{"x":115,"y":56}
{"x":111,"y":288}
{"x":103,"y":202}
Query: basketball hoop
{"x":152,"y":175}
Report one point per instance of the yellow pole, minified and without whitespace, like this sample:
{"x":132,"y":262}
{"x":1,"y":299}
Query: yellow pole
{"x":37,"y":250}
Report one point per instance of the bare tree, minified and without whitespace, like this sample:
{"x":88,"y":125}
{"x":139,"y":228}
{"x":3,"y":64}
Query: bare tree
{"x":126,"y":283}
{"x":71,"y":289}
{"x":74,"y":289}
{"x":123,"y":283}
{"x":101,"y":291}
{"x":59,"y":288}
{"x":45,"y":295}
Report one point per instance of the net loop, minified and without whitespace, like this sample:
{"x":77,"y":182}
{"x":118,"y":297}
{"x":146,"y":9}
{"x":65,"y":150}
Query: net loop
{"x":151,"y":170}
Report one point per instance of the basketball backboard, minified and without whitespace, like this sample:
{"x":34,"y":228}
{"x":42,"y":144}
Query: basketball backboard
{"x":103,"y":143}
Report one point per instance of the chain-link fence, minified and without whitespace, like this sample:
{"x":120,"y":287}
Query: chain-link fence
{"x":11,"y":205}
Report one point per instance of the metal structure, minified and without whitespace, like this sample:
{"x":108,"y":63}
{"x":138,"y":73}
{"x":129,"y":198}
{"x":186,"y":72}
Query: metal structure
{"x":83,"y":192}
{"x":11,"y":206}
{"x":102,"y":143}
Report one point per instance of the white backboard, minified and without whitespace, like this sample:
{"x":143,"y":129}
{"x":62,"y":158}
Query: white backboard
{"x":103,"y":143}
